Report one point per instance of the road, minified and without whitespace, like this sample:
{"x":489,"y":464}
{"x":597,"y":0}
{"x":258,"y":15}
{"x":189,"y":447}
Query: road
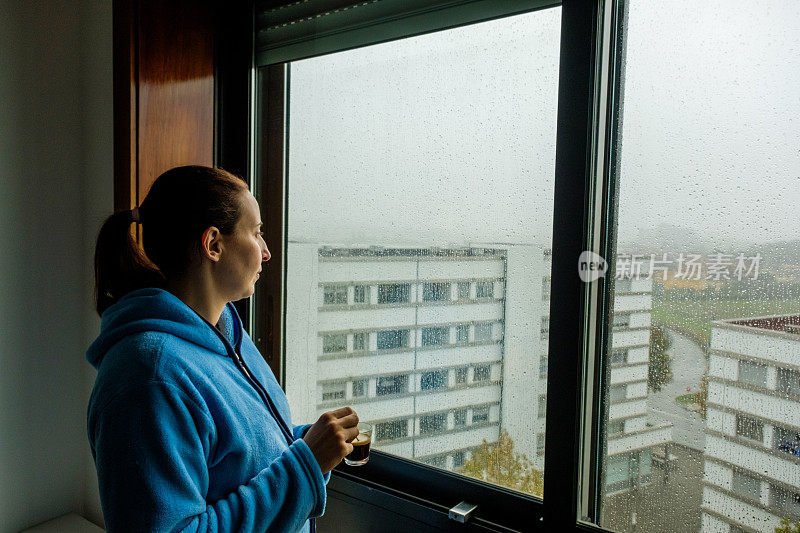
{"x":688,"y":366}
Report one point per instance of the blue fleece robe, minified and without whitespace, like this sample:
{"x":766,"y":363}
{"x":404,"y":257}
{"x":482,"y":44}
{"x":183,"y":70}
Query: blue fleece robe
{"x":181,"y":439}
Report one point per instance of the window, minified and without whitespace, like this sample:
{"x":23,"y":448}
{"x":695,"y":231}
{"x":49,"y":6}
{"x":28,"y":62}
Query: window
{"x":439,"y":461}
{"x":540,"y":444}
{"x":393,"y":339}
{"x":432,"y":423}
{"x":460,"y":418}
{"x":333,"y":391}
{"x":463,"y":290}
{"x":483,"y":332}
{"x":618,"y":357}
{"x":462,"y":333}
{"x":361,"y":294}
{"x":360,"y":388}
{"x":746,"y":485}
{"x":618,"y":393}
{"x":395,"y":429}
{"x":458,"y":459}
{"x":621,"y":321}
{"x":359,"y":341}
{"x":546,"y":288}
{"x":334,"y":294}
{"x":482,"y":373}
{"x":545,"y":330}
{"x":484,"y":289}
{"x":334,"y":342}
{"x":615,"y":427}
{"x":753,"y":373}
{"x":786,"y":501}
{"x":433,"y":380}
{"x":749,"y":428}
{"x":435,"y":292}
{"x":789,"y":381}
{"x":393,"y":293}
{"x":786,"y":440}
{"x":480,"y":415}
{"x":391,"y":385}
{"x":435,"y":336}
{"x":461,"y":375}
{"x":542,"y":406}
{"x":623,"y":285}
{"x":542,"y":366}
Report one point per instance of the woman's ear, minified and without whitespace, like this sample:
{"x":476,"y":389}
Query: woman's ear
{"x":210,"y":244}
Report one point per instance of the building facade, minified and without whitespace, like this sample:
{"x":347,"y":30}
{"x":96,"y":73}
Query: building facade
{"x":752,"y":454}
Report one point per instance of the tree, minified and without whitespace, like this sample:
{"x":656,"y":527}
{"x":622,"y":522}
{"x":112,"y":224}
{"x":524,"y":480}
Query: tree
{"x":788,"y":526}
{"x":701,"y":396}
{"x":660,"y":372}
{"x":497,"y":463}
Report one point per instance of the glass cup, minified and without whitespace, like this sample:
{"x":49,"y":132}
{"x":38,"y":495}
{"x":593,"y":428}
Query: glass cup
{"x":360,"y":454}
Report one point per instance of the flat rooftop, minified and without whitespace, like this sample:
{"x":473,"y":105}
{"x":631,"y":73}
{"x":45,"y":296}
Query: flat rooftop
{"x":782,"y":323}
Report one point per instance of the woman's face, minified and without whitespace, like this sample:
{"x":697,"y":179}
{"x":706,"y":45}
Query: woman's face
{"x":243,"y":252}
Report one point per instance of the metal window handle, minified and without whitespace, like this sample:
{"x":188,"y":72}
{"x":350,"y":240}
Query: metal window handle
{"x":462,"y":512}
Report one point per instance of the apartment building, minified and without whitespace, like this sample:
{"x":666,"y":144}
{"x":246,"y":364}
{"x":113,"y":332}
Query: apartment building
{"x":442,"y":348}
{"x":752,"y":462}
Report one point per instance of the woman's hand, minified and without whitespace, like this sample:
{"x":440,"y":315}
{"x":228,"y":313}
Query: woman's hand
{"x":329,"y":438}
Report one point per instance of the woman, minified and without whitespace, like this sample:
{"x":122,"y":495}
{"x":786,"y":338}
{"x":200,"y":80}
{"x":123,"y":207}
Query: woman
{"x":188,"y":427}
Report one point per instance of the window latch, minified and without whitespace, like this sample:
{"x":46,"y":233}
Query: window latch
{"x":462,"y":512}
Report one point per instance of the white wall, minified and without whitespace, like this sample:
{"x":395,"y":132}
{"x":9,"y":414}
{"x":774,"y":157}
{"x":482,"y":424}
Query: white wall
{"x":55,"y":186}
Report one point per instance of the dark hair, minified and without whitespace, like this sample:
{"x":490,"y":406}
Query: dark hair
{"x":181,"y":204}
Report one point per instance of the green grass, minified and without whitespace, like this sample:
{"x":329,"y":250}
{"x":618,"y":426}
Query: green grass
{"x":684,"y":400}
{"x":694,"y":317}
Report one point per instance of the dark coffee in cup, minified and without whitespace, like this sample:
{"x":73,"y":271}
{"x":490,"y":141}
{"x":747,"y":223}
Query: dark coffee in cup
{"x":360,"y":453}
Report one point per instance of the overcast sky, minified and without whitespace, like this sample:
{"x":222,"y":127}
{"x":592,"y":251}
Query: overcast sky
{"x":449,"y":138}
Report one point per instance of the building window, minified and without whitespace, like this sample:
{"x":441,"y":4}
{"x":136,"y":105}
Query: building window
{"x":753,"y":373}
{"x":746,"y":485}
{"x":461,"y":375}
{"x":542,"y":366}
{"x":482,"y":373}
{"x":435,"y":336}
{"x":621,"y":321}
{"x":394,"y":429}
{"x":484,"y":289}
{"x":360,"y":388}
{"x":786,"y":440}
{"x":542,"y":412}
{"x":438,"y":461}
{"x":615,"y":427}
{"x":394,"y":293}
{"x":480,"y":415}
{"x":545,"y":330}
{"x":391,"y":385}
{"x":462,"y":333}
{"x":334,"y":294}
{"x":333,"y":391}
{"x":359,"y":341}
{"x":460,"y":418}
{"x":435,"y":292}
{"x":392,"y":339}
{"x":618,"y":393}
{"x":546,"y":288}
{"x":784,"y":500}
{"x":622,"y":285}
{"x":334,"y":343}
{"x":458,"y":459}
{"x":789,"y":381}
{"x":483,"y":332}
{"x":749,"y":428}
{"x":361,"y":294}
{"x":463,"y":290}
{"x":432,"y":423}
{"x":433,"y":380}
{"x":540,"y":444}
{"x":618,"y":357}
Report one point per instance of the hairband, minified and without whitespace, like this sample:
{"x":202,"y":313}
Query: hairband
{"x":134,"y":215}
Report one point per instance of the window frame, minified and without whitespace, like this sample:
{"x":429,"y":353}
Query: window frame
{"x":583,"y":220}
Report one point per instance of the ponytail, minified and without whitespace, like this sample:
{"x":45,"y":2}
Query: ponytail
{"x":120,"y":266}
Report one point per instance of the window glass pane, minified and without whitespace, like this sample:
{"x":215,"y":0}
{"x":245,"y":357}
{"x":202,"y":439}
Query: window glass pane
{"x":422,"y":170}
{"x":705,"y":272}
{"x":334,"y":294}
{"x":360,"y":388}
{"x":359,"y":341}
{"x":333,"y":391}
{"x":395,"y":429}
{"x":334,"y":343}
{"x":435,"y":292}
